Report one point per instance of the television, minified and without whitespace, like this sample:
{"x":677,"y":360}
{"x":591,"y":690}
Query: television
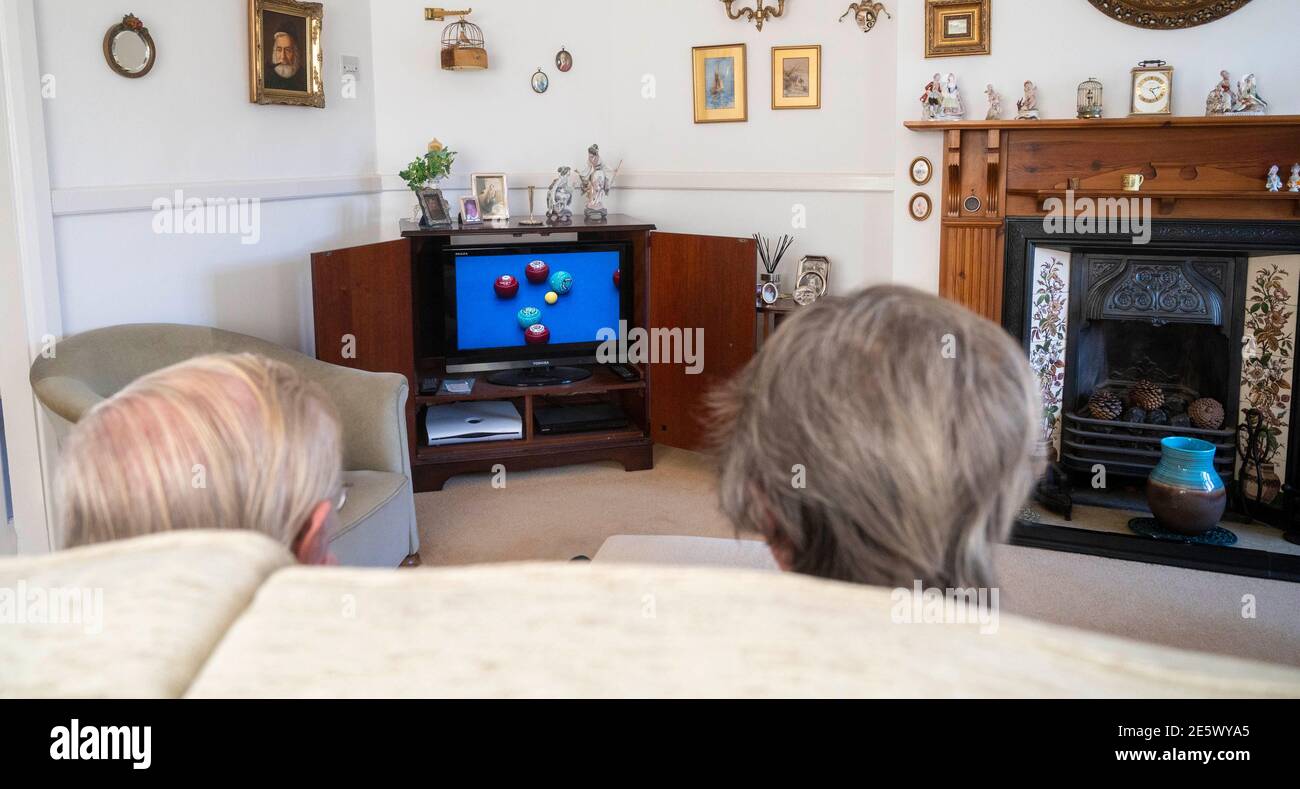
{"x":528,"y":312}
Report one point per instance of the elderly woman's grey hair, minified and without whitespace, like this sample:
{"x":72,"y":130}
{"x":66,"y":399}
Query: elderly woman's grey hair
{"x":884,"y":438}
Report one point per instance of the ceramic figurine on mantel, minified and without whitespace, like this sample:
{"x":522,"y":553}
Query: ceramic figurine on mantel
{"x":597,"y":183}
{"x":1027,"y":107}
{"x":1274,"y":180}
{"x":559,"y":198}
{"x":1293,"y":183}
{"x":951,"y":107}
{"x":1249,"y":102}
{"x":1222,"y":98}
{"x":995,"y":104}
{"x":932,"y":99}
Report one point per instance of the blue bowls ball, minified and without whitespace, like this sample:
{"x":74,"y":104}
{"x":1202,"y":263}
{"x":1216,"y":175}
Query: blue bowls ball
{"x":562,"y":282}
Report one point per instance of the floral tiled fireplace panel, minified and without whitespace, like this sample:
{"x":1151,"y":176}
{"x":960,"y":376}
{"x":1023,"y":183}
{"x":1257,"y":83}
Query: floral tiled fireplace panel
{"x":1130,"y":345}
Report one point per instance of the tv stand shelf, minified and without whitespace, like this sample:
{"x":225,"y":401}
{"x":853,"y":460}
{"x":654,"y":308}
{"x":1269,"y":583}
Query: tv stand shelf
{"x":601,"y":380}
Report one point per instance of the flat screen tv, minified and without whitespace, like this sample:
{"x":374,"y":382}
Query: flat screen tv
{"x":530,"y":311}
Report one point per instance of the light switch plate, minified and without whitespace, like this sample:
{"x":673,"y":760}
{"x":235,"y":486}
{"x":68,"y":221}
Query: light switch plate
{"x":351,"y":64}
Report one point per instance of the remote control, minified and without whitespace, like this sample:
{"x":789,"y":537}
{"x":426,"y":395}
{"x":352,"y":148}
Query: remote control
{"x":624,"y":372}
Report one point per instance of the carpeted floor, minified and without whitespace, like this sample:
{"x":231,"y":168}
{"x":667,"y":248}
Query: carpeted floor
{"x":566,"y":512}
{"x":557,"y":514}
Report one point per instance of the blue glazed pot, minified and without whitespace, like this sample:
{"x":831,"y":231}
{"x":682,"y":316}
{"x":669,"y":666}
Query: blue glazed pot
{"x":1184,"y":491}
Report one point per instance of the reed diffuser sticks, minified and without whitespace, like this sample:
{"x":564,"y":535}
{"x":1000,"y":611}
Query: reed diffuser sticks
{"x":772,"y":260}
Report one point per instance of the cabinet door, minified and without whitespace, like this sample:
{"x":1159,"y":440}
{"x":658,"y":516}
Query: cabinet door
{"x":364,"y":312}
{"x":703,"y":285}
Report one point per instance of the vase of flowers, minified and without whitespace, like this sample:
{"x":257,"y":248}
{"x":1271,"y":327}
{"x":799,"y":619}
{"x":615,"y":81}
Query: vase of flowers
{"x":422,"y":177}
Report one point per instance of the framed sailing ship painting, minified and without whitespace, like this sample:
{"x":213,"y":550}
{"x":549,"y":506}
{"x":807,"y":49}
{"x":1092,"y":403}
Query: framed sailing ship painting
{"x":721,"y":86}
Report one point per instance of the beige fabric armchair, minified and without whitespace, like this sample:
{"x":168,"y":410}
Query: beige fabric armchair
{"x":377,"y":522}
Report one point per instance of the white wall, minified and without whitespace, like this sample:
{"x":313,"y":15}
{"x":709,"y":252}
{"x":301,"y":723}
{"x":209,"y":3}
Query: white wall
{"x":1058,"y":44}
{"x":115,"y":144}
{"x":835,"y":161}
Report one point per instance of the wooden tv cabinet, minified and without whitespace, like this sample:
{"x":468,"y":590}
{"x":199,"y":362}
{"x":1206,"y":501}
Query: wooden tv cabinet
{"x":379,"y":307}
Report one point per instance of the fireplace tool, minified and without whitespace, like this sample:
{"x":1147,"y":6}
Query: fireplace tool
{"x":1256,"y":450}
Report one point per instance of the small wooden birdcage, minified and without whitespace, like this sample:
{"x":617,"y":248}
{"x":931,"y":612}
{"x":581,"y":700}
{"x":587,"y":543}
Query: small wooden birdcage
{"x":462,"y":42}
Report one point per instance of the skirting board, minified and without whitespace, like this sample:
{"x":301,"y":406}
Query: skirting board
{"x":121,"y":199}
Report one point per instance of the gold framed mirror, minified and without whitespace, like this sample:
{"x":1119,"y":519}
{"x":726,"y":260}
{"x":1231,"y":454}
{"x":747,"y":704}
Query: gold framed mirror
{"x":129,"y":49}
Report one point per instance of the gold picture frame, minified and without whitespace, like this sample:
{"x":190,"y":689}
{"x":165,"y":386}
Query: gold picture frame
{"x":957,"y":27}
{"x":721,"y":85}
{"x":797,"y":77}
{"x":286,"y":63}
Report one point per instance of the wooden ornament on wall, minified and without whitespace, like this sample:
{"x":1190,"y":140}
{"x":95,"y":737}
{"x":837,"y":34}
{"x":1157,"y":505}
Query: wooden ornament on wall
{"x":1167,"y":14}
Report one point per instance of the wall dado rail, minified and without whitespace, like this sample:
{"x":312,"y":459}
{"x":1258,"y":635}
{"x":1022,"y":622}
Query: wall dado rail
{"x":1193,"y":168}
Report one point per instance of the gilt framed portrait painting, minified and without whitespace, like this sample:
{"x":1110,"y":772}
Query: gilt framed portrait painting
{"x":285,"y":58}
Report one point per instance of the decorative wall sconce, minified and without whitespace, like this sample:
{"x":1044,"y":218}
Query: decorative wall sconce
{"x":759,"y":14}
{"x":462,"y":42}
{"x":866,"y":14}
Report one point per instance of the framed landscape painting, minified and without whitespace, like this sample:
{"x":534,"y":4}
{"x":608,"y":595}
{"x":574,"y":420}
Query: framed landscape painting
{"x":797,"y":78}
{"x":720,"y":84}
{"x":957,"y":27}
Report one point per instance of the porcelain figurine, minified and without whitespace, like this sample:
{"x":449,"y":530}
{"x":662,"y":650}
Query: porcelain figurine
{"x":1027,"y":107}
{"x":1274,"y":180}
{"x":951,"y":105}
{"x":1222,"y":99}
{"x":1293,"y":183}
{"x":995,"y":104}
{"x":559,"y":198}
{"x":932,"y":99}
{"x":1249,"y":102}
{"x":597,"y":183}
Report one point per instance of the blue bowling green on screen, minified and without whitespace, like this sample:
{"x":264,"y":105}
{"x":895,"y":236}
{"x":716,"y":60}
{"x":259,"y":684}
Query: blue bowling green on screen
{"x":588,"y":301}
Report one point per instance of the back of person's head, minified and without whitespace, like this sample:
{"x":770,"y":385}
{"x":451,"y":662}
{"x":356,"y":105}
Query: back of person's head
{"x":884,"y":438}
{"x":216,"y":442}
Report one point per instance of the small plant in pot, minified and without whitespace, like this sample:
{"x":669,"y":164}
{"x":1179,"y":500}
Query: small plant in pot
{"x":423,"y":175}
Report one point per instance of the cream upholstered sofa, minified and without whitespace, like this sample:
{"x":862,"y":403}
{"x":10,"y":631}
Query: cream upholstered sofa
{"x":377,"y":522}
{"x":228,"y":614}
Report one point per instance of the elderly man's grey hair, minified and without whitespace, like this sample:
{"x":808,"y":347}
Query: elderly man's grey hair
{"x":883,"y":438}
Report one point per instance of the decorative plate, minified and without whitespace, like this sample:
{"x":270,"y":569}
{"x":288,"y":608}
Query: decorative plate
{"x":1167,"y":14}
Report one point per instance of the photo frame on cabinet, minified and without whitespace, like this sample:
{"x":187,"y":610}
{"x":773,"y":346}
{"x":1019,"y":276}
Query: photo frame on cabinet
{"x":492,"y":193}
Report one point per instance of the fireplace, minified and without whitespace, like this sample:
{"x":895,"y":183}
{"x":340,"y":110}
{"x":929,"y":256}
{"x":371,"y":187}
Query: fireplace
{"x":1204,"y":314}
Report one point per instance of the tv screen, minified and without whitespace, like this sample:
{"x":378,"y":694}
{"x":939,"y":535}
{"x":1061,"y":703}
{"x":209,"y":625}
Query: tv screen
{"x":531,"y":305}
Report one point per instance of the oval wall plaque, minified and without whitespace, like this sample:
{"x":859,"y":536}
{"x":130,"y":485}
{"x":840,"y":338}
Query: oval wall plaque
{"x":1167,"y":14}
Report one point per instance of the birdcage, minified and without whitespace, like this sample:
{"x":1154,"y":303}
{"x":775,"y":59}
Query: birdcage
{"x":1090,"y":98}
{"x":462,"y":47}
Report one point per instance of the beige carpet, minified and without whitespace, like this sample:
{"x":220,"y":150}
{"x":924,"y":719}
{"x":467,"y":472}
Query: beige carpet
{"x":567,"y":512}
{"x":561,"y":513}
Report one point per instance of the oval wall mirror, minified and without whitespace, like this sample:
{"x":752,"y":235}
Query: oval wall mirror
{"x":129,"y":49}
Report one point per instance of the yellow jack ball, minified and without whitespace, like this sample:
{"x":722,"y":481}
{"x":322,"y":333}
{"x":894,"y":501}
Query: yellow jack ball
{"x":552,"y":297}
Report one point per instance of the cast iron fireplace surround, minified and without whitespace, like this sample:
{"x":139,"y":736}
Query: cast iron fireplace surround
{"x":1212,"y":256}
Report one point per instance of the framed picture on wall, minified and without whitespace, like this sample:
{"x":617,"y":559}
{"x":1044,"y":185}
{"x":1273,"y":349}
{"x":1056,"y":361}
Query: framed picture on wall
{"x":720,"y":84}
{"x":285,"y":58}
{"x":957,"y":27}
{"x":797,"y":78}
{"x":491,"y":192}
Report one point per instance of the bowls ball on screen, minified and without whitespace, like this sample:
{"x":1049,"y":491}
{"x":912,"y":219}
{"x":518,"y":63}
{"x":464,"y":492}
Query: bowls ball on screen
{"x":562,"y":282}
{"x":537,"y":272}
{"x":617,"y":277}
{"x":506,"y":286}
{"x":528,"y":316}
{"x":537,"y":334}
{"x":552,"y":297}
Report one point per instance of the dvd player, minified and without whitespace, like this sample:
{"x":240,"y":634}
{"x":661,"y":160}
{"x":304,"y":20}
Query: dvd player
{"x":556,"y":419}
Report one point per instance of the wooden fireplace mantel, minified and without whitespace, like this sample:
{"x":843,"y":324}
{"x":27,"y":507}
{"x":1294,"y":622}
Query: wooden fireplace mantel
{"x":1210,"y":168}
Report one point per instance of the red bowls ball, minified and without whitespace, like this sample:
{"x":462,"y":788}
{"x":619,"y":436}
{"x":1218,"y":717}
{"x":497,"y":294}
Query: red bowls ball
{"x":506,"y":286}
{"x":616,"y":277}
{"x":537,"y":272}
{"x":537,"y":334}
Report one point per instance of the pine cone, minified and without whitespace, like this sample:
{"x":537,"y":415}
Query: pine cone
{"x":1206,"y":413}
{"x":1104,"y":405}
{"x":1145,"y":394}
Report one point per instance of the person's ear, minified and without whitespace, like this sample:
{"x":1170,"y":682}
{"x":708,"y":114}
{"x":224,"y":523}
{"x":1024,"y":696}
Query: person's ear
{"x":778,"y":543}
{"x":311,"y":546}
